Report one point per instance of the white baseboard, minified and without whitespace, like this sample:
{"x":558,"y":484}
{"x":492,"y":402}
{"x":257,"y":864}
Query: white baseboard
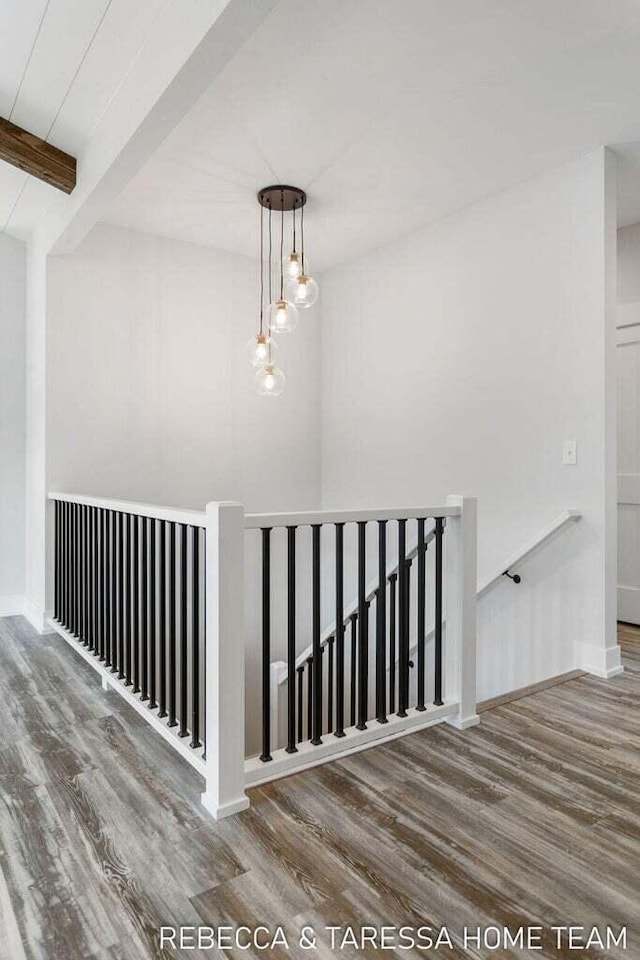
{"x":37,"y":616}
{"x":603,"y":662}
{"x":12,"y":605}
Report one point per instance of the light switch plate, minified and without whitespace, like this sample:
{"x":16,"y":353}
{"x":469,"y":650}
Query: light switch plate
{"x":569,"y":453}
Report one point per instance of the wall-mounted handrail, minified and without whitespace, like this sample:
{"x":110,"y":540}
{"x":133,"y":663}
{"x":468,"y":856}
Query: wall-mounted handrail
{"x":568,"y":516}
{"x":193,"y":518}
{"x":484,"y":585}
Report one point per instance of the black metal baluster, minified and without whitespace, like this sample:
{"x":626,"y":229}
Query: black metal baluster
{"x":68,"y":573}
{"x":330,"y":687}
{"x":353,"y":619}
{"x":76,"y":573}
{"x":121,"y":565}
{"x":195,"y":638}
{"x":91,"y":567}
{"x":162,"y":620}
{"x":85,"y":576}
{"x":69,"y":538}
{"x":65,"y":575}
{"x":65,"y":571}
{"x":437,"y":699}
{"x":144,"y":608}
{"x":363,"y":645}
{"x":300,"y":672}
{"x":402,"y":618}
{"x":99,"y":607}
{"x":58,"y":558}
{"x":309,"y":666}
{"x":408,"y":662}
{"x":153,"y":659}
{"x":110,"y":604}
{"x":102,"y":587}
{"x":316,"y":738}
{"x":339,"y":730}
{"x":72,"y":571}
{"x":96,"y":581}
{"x":83,"y":573}
{"x":135,"y":635}
{"x":129,"y":596}
{"x":421,"y":639}
{"x":76,"y":569}
{"x":172,"y":722}
{"x":56,"y":549}
{"x":393,"y":580}
{"x":265,"y":756}
{"x":184,"y":650}
{"x":88,"y":623}
{"x":106,"y":614}
{"x":291,"y":640}
{"x":381,"y":625}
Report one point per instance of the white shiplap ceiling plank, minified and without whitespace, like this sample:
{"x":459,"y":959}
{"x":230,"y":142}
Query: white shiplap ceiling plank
{"x":19,"y":25}
{"x":122,"y":33}
{"x":60,"y":63}
{"x":66,"y":33}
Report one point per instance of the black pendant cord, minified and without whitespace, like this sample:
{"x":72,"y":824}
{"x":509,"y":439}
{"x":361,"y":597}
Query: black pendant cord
{"x":261,"y":270}
{"x":282,"y":249}
{"x":270,"y":257}
{"x":302,"y":236}
{"x":293,"y":214}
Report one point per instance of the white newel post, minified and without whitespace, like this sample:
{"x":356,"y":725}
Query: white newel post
{"x":461,"y":620}
{"x":224,"y":794}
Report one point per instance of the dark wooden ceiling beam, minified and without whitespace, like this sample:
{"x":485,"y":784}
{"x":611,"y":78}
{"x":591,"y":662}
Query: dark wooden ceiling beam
{"x":37,"y":157}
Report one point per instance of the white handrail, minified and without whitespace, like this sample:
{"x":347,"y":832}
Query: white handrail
{"x":192,"y":518}
{"x":255,"y":521}
{"x":549,"y":531}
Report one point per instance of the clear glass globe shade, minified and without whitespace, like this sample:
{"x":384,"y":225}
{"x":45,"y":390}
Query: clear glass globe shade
{"x":283,"y":317}
{"x":303,"y":291}
{"x":292,"y":265}
{"x":269,"y":381}
{"x":261,"y":349}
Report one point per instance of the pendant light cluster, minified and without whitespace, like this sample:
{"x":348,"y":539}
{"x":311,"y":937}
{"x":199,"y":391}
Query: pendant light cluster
{"x":289,"y":287}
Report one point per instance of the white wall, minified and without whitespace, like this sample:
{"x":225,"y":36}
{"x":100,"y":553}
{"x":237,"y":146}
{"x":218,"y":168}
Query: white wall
{"x":149,"y":394}
{"x":629,"y":264}
{"x":12,"y":424}
{"x":457,"y":361}
{"x":628,"y":355}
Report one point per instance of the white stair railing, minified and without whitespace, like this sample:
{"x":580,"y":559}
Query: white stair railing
{"x":153,"y":598}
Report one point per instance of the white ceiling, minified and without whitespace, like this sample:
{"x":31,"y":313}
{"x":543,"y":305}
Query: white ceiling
{"x":60,"y":63}
{"x":391,"y":113}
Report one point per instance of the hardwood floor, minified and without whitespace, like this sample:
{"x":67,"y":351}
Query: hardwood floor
{"x":531,"y":818}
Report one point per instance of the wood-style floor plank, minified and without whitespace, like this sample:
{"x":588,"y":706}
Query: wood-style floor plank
{"x":531,"y":818}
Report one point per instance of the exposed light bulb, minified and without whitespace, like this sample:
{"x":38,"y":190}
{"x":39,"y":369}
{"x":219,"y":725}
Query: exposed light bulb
{"x":292,"y":265}
{"x":269,"y":381}
{"x":283,"y":317}
{"x":261,"y":349}
{"x":302,"y":290}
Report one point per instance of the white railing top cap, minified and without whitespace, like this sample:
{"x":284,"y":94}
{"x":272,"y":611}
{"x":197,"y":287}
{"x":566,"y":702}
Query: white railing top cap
{"x":193,"y":518}
{"x":254,"y":521}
